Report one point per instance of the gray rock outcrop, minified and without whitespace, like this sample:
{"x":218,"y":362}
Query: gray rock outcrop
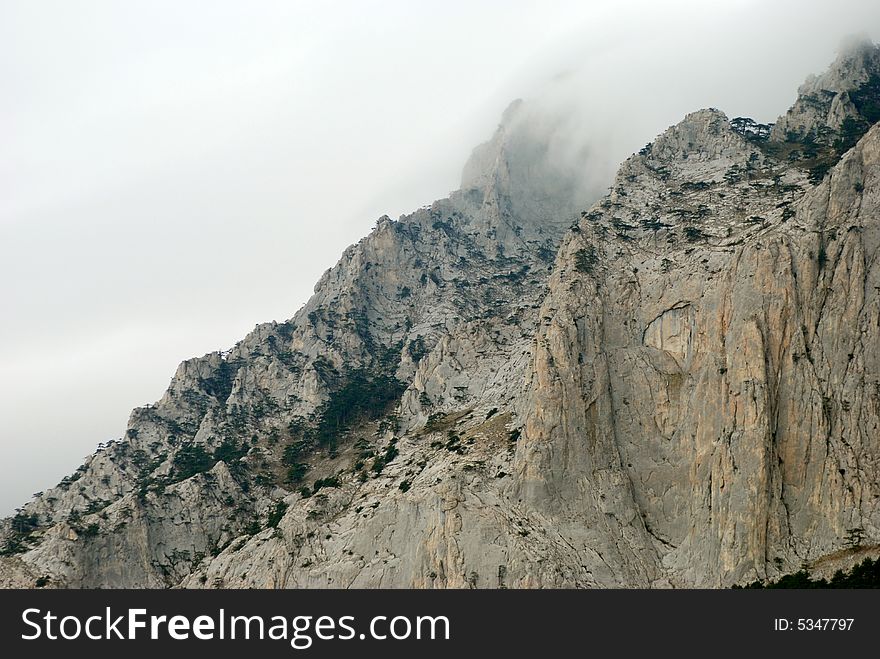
{"x":679,"y":386}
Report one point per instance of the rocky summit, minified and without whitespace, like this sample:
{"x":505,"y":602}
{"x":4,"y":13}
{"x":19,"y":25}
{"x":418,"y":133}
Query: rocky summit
{"x":676,"y":386}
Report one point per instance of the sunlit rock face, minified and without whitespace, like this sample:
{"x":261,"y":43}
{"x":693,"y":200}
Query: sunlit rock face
{"x":677,"y":384}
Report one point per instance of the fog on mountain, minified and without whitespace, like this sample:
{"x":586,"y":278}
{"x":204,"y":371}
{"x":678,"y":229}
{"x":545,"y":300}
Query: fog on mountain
{"x":526,"y":384}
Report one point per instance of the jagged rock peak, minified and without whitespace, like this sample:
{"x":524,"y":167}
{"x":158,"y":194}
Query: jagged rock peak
{"x":857,"y":60}
{"x":533,"y":165}
{"x":481,"y":166}
{"x":839,"y":100}
{"x":701,"y":148}
{"x":703,"y":135}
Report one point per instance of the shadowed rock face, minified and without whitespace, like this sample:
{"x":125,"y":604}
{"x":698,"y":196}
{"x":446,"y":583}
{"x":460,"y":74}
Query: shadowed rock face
{"x":680,"y":388}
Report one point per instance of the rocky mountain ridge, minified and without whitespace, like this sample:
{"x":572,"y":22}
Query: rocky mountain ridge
{"x":678,"y":386}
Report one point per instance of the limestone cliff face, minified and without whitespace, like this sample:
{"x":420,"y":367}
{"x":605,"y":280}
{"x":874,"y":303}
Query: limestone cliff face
{"x":680,"y":388}
{"x":706,"y":383}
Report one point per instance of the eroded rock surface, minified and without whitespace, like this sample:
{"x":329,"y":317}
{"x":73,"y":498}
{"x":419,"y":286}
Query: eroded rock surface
{"x":679,"y":388}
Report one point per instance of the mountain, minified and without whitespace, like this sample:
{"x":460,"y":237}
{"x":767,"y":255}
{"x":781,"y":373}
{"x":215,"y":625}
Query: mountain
{"x":678,"y":386}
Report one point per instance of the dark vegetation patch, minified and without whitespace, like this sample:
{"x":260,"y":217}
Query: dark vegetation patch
{"x":363,"y":396}
{"x":863,"y":575}
{"x":818,"y":150}
{"x":219,"y":384}
{"x":585,"y":260}
{"x":18,"y":541}
{"x":276,"y":514}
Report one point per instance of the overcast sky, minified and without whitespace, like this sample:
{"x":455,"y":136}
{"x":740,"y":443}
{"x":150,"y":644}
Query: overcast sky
{"x":172,"y":173}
